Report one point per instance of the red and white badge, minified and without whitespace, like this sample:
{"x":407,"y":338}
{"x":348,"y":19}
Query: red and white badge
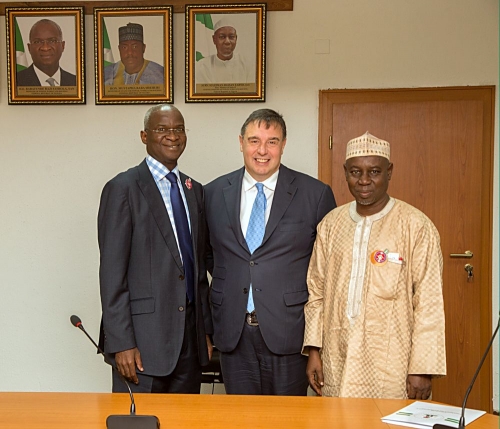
{"x":378,"y":257}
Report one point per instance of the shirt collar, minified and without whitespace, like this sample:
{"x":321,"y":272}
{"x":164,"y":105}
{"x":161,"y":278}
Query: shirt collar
{"x":158,"y":170}
{"x":356,"y":217}
{"x":269,"y":183}
{"x":42,"y":77}
{"x":231,"y":60}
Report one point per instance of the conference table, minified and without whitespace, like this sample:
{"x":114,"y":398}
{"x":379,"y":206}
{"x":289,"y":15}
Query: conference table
{"x":41,"y":410}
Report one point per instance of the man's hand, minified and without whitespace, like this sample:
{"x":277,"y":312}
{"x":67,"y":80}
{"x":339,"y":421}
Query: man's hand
{"x":210,"y":348}
{"x":314,"y":370}
{"x":418,"y":386}
{"x":126,"y":363}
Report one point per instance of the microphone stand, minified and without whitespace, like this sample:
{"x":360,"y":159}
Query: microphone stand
{"x":131,"y":421}
{"x":461,"y":422}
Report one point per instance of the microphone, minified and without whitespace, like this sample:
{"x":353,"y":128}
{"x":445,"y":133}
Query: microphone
{"x":131,"y":421}
{"x":461,"y":423}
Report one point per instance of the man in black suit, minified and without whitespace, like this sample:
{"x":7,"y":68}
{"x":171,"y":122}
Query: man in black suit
{"x":154,"y":290}
{"x":259,"y":289}
{"x":45,"y":47}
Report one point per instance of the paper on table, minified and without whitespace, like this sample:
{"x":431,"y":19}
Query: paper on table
{"x":426,"y":414}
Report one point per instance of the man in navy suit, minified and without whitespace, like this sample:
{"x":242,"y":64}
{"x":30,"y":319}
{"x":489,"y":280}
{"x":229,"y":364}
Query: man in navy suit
{"x":156,"y":318}
{"x":258,"y":293}
{"x":45,"y":47}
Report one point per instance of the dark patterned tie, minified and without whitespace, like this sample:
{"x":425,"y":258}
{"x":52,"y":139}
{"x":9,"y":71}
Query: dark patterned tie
{"x":183,"y":234}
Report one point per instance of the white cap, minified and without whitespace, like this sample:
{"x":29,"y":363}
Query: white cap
{"x":368,"y":145}
{"x":224,"y":22}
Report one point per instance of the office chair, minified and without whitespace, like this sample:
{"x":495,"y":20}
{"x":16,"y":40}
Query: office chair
{"x":212,"y":373}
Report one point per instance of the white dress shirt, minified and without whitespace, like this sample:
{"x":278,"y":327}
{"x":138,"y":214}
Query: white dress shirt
{"x":248,"y":194}
{"x":42,"y":77}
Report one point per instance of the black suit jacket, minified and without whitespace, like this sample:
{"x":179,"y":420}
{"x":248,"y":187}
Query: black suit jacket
{"x":28,"y":77}
{"x":277,"y":269}
{"x":143,"y":291}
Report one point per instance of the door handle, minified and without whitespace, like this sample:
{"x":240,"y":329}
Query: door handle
{"x":468,"y":254}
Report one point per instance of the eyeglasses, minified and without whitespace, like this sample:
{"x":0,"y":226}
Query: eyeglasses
{"x":165,"y":131}
{"x":50,"y":42}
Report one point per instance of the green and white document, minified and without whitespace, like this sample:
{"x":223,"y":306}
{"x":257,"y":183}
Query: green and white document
{"x":426,"y":414}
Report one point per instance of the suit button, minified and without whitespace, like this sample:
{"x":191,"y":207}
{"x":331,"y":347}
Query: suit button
{"x":181,"y":277}
{"x":252,"y":263}
{"x":245,"y":290}
{"x":181,"y":308}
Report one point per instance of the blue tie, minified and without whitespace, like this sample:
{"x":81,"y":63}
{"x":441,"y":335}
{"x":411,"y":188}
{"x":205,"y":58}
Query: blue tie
{"x":256,"y":229}
{"x":183,"y":234}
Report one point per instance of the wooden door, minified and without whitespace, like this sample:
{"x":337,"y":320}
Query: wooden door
{"x":441,"y":146}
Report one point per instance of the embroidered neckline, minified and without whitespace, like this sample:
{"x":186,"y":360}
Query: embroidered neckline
{"x":360,"y":255}
{"x":373,"y":218}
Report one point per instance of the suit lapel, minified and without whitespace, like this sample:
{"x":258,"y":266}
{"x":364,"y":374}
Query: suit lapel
{"x":232,"y":198}
{"x":33,"y":76}
{"x":283,"y":196}
{"x":152,"y":195}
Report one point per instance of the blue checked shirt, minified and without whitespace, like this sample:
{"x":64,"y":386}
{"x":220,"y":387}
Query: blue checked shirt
{"x":159,"y":172}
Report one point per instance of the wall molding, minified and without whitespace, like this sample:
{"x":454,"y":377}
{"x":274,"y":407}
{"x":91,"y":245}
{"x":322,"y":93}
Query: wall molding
{"x":179,"y":5}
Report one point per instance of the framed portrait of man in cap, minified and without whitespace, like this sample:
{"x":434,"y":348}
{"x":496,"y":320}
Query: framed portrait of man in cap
{"x":225,"y":53}
{"x":133,"y":55}
{"x":45,"y":55}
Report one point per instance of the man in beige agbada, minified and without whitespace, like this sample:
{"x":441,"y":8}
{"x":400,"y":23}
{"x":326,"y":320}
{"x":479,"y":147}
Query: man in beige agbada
{"x":375,"y":316}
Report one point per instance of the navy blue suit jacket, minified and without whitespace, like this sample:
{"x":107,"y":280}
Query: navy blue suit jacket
{"x":28,"y":77}
{"x":277,"y":269}
{"x":143,"y":291}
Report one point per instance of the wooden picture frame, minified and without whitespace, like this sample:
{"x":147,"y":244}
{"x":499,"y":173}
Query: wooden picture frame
{"x":225,"y":53}
{"x":45,"y":55}
{"x":133,"y":55}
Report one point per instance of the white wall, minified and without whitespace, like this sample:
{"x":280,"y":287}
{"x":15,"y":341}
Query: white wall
{"x":54,"y":160}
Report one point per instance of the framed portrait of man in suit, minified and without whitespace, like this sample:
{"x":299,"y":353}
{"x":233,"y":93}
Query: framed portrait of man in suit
{"x":133,"y":55}
{"x":45,"y":58}
{"x":225,"y":53}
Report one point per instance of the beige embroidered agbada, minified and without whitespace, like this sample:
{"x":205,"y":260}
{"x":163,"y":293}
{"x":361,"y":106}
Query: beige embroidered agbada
{"x":376,"y":306}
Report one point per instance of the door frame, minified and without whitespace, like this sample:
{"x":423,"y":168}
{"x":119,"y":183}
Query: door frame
{"x":484,"y":93}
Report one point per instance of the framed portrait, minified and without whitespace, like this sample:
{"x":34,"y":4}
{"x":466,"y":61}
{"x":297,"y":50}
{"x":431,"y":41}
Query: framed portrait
{"x":225,"y":53}
{"x":45,"y":55}
{"x":133,"y":55}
